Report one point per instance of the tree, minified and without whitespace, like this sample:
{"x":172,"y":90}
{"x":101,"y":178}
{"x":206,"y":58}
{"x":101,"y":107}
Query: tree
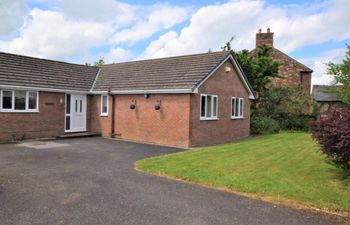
{"x":333,"y":134}
{"x":259,"y":68}
{"x":100,"y":62}
{"x":290,"y":106}
{"x":228,"y":46}
{"x":341,"y":73}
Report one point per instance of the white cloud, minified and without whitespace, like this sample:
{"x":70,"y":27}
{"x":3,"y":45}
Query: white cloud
{"x":101,"y":10}
{"x":318,"y":65}
{"x":116,"y":55}
{"x":12,"y":14}
{"x":212,"y":26}
{"x":48,"y":34}
{"x":152,"y":51}
{"x":159,"y":18}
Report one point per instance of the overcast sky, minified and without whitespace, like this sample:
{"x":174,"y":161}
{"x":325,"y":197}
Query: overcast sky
{"x":81,"y":31}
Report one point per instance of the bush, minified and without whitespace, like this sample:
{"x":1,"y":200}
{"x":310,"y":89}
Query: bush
{"x":295,"y":122}
{"x":262,"y":124}
{"x":291,"y":107}
{"x":333,"y":134}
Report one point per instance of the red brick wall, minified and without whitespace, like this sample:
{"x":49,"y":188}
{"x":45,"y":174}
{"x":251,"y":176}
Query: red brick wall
{"x":96,"y":122}
{"x":167,"y":126}
{"x":291,"y":71}
{"x":49,"y":121}
{"x":225,"y":85}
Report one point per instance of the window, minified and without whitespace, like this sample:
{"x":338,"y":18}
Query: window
{"x":209,"y":107}
{"x":19,"y":101}
{"x":237,"y":108}
{"x":104,"y":105}
{"x":68,"y":108}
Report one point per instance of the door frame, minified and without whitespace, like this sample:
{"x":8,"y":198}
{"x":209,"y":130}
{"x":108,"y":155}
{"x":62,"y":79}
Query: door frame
{"x":70,"y":115}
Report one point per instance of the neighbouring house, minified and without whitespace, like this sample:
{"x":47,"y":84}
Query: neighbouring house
{"x":293,"y":72}
{"x":326,"y":100}
{"x":183,"y":101}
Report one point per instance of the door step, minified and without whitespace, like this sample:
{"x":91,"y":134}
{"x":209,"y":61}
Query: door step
{"x":78,"y":135}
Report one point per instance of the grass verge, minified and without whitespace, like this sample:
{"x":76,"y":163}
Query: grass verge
{"x":285,"y":167}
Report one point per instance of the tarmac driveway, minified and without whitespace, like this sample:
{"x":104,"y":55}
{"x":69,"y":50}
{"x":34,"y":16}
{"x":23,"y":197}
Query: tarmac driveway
{"x":92,"y":181}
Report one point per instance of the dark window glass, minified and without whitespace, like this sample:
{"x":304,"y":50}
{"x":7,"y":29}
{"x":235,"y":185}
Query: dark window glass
{"x":233,"y":107}
{"x":203,"y":106}
{"x":20,"y":100}
{"x":67,"y":122}
{"x":236,"y":107}
{"x":32,"y":100}
{"x":81,"y":105}
{"x":7,"y":99}
{"x":68,"y":104}
{"x":215,"y":102}
{"x":76,"y":105}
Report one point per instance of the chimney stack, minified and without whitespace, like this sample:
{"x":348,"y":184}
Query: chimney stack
{"x":264,"y":38}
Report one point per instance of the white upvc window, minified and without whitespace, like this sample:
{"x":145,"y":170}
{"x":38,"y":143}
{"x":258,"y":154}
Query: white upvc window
{"x":237,"y":108}
{"x":209,"y":107}
{"x":19,"y":101}
{"x":104,"y":105}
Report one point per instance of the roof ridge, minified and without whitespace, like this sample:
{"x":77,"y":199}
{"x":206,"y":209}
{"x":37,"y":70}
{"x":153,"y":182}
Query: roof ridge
{"x":168,"y":57}
{"x":293,"y":59}
{"x":50,"y":60}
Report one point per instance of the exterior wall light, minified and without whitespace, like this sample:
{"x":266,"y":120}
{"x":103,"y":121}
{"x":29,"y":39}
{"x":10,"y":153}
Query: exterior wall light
{"x":146,"y":95}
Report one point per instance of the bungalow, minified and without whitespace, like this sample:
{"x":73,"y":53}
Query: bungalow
{"x":181,"y":101}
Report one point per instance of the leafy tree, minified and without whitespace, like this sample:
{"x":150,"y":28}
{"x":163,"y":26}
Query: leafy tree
{"x":291,"y":107}
{"x":333,"y":134}
{"x":228,"y":46}
{"x":100,"y":62}
{"x":259,"y":68}
{"x":341,"y":73}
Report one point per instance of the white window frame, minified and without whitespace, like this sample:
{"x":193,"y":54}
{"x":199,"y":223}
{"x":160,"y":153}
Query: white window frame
{"x":237,"y":99}
{"x":26,"y":110}
{"x":104,"y":113}
{"x":212,"y":107}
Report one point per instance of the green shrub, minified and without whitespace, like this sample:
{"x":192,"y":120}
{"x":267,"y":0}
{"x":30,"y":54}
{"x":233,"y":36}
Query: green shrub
{"x":290,"y":107}
{"x":295,"y":122}
{"x":262,"y":124}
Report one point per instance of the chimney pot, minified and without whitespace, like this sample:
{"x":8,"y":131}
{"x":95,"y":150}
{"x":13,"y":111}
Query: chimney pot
{"x":259,"y":30}
{"x":268,"y":30}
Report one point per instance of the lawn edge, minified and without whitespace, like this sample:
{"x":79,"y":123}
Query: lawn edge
{"x":282,"y":201}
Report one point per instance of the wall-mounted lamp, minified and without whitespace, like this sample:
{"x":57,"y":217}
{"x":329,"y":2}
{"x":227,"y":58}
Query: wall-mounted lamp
{"x":146,"y":95}
{"x":227,"y":69}
{"x":61,"y":100}
{"x":132,"y":106}
{"x":157,"y":105}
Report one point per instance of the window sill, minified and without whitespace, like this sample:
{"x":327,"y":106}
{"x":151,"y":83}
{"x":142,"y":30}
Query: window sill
{"x":208,"y":119}
{"x":2,"y":111}
{"x":237,"y":118}
{"x":103,"y":115}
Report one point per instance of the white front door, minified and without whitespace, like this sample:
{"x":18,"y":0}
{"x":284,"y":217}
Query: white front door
{"x":75,"y":113}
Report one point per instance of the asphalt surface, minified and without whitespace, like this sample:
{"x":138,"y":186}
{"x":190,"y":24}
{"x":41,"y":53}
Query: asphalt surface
{"x":93,"y":181}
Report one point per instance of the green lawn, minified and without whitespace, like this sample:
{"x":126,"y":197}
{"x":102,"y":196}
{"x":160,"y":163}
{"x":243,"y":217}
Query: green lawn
{"x":286,"y":167}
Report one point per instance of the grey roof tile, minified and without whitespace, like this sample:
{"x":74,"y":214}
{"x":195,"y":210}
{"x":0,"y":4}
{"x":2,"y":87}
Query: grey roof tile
{"x":180,"y":72}
{"x":17,"y":70}
{"x":321,"y":94}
